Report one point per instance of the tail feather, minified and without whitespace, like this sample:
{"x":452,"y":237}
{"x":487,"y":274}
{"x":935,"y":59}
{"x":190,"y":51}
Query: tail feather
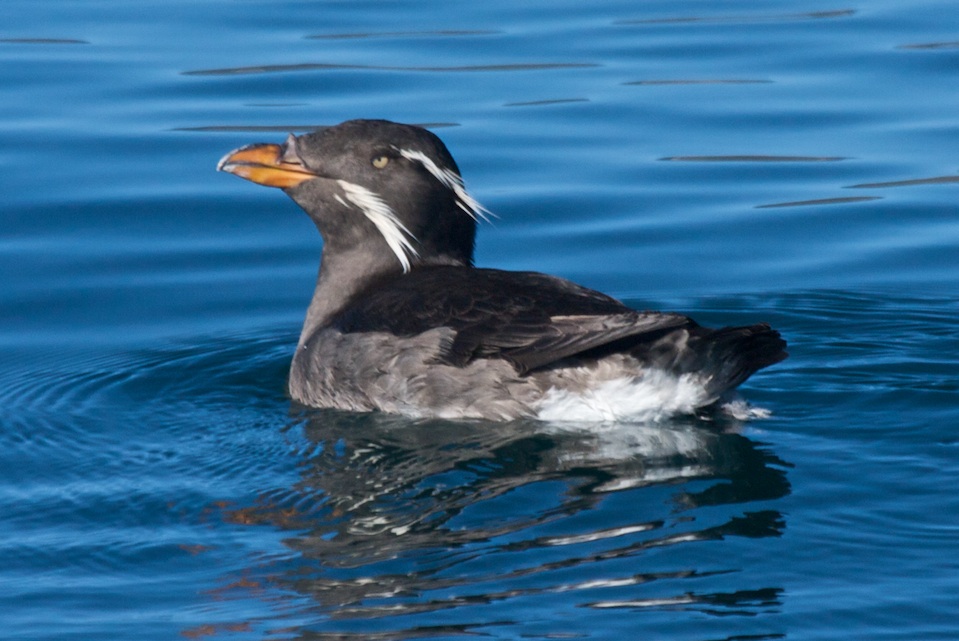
{"x":733,"y":354}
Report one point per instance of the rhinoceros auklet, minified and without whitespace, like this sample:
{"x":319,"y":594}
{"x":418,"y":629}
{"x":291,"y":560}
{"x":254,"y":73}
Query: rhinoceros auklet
{"x":401,"y":321}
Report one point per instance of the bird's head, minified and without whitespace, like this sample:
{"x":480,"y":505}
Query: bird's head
{"x":372,"y":185}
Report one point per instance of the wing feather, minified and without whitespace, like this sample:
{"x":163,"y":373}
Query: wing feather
{"x":529,"y":319}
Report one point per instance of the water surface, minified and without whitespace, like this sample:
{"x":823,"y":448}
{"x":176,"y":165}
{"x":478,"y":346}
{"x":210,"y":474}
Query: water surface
{"x":785,"y":162}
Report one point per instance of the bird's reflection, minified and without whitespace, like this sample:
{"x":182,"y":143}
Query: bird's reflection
{"x":399,"y":517}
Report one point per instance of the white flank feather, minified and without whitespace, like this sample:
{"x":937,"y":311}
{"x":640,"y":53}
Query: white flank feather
{"x":651,"y":397}
{"x":453,"y":181}
{"x":395,"y":233}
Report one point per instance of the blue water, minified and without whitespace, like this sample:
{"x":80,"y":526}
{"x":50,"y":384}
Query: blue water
{"x":780,"y":161}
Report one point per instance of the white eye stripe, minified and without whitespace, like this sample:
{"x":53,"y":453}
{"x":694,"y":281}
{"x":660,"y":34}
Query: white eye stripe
{"x":453,"y":181}
{"x":394,"y":232}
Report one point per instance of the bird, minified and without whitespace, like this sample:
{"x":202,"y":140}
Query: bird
{"x":402,"y":321}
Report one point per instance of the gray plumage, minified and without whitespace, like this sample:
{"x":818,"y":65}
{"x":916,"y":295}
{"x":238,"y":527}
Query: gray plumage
{"x":402,"y":322}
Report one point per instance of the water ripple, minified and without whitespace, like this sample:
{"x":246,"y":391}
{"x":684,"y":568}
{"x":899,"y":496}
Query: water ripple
{"x":821,"y":201}
{"x":541,"y":103}
{"x":397,"y":518}
{"x":932,"y":45}
{"x":744,"y":18}
{"x":44,"y":41}
{"x":909,"y":182}
{"x":291,"y":128}
{"x":754,"y":158}
{"x":310,"y":66}
{"x":700,"y":81}
{"x":109,"y":381}
{"x":445,"y":33}
{"x":156,"y":488}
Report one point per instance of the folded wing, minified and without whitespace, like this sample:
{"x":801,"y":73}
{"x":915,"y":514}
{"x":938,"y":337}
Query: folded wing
{"x":526,"y":318}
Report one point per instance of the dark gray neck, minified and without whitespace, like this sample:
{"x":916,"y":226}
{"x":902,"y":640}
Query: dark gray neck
{"x":343,"y":274}
{"x":346,"y":273}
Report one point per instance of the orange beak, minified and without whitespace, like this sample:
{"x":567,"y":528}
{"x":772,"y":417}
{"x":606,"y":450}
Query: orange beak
{"x":264,"y":164}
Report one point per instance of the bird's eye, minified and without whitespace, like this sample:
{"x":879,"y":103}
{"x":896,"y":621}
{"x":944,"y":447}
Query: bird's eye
{"x":381,"y":161}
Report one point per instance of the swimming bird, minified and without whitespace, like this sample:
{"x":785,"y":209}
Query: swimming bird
{"x":402,"y":321}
